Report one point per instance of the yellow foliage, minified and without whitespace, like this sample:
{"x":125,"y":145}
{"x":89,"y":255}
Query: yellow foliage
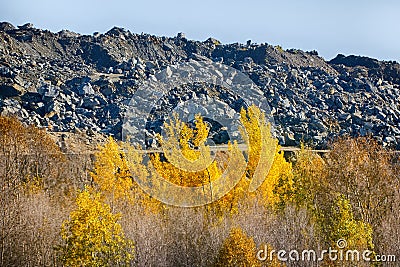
{"x":253,"y":121}
{"x":238,"y":250}
{"x":340,"y":224}
{"x":184,"y":166}
{"x":111,"y":171}
{"x":114,"y":171}
{"x":33,"y":185}
{"x":279,"y":179}
{"x":278,"y":184}
{"x":269,"y":259}
{"x":309,"y":179}
{"x":92,"y":235}
{"x":191,"y":145}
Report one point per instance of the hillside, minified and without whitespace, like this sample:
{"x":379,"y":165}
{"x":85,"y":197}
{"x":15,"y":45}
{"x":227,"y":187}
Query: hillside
{"x":68,"y":82}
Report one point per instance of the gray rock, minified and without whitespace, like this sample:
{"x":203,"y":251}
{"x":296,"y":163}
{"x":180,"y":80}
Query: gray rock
{"x":389,"y":139}
{"x":6,"y":26}
{"x":85,"y":89}
{"x":90,"y":102}
{"x":344,"y":117}
{"x":181,"y":35}
{"x":48,"y":91}
{"x":26,"y":26}
{"x":290,"y":139}
{"x":168,"y":47}
{"x":10,"y":90}
{"x":319,"y":125}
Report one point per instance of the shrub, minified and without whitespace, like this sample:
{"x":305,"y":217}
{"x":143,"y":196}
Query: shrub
{"x":92,"y":235}
{"x":238,"y":250}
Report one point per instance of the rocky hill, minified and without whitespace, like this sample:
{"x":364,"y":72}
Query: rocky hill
{"x":69,"y":82}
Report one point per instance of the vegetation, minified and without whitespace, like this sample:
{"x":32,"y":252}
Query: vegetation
{"x":238,"y":250}
{"x":92,"y":236}
{"x":54,"y":212}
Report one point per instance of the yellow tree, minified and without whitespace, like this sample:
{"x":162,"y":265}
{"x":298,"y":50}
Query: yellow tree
{"x":279,"y":178}
{"x":189,"y":162}
{"x":184,"y":146}
{"x":114,"y":172}
{"x":92,"y":235}
{"x":340,"y":224}
{"x":111,"y":172}
{"x":238,"y":250}
{"x":309,"y":182}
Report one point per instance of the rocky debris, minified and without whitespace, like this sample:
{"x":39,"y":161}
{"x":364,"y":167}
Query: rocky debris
{"x":384,"y":70}
{"x":26,"y":26}
{"x":10,"y":89}
{"x":6,"y":26}
{"x":67,"y":82}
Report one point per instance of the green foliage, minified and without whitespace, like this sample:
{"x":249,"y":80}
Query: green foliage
{"x":92,"y":235}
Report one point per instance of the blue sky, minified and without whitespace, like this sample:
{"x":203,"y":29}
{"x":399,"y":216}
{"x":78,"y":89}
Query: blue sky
{"x":369,"y":27}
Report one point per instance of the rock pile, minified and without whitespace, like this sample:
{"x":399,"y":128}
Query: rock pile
{"x":69,"y":82}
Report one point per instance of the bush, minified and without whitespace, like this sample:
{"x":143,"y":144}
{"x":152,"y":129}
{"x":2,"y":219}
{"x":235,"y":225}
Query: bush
{"x":238,"y":250}
{"x":92,"y":235}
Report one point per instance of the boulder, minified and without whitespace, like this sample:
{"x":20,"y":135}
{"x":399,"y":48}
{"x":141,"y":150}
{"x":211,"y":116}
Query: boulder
{"x":10,"y":90}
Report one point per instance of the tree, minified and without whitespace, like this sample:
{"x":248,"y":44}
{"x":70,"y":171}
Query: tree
{"x":340,"y":224}
{"x":309,"y":183}
{"x":276,"y":172}
{"x":188,"y":160}
{"x":238,"y":250}
{"x":27,"y":153}
{"x":92,"y":235}
{"x":361,"y":170}
{"x":111,"y":172}
{"x":30,"y":167}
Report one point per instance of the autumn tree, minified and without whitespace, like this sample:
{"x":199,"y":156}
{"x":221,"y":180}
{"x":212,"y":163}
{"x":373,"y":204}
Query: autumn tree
{"x":111,"y":172}
{"x":265,"y":158}
{"x":27,"y":153}
{"x":340,"y":224}
{"x":238,"y":250}
{"x":92,"y":235}
{"x":266,"y":166}
{"x":115,"y":168}
{"x":30,"y":172}
{"x":189,"y":162}
{"x":361,"y":170}
{"x":309,"y":187}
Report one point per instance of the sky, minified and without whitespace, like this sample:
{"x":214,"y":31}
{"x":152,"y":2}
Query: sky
{"x":359,"y":27}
